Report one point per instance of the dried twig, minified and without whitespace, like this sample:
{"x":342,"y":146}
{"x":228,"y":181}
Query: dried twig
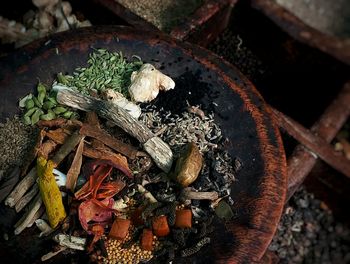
{"x":189,"y":194}
{"x":22,"y":187}
{"x":26,"y":198}
{"x":27,"y":218}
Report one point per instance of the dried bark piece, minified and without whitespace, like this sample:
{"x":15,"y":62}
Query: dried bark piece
{"x":59,"y":135}
{"x":47,"y":148}
{"x":110,"y":141}
{"x":74,"y":170}
{"x":59,"y":122}
{"x":66,"y":148}
{"x":188,"y":165}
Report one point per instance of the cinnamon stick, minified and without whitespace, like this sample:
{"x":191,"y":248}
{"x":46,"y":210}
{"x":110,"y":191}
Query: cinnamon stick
{"x":115,"y":144}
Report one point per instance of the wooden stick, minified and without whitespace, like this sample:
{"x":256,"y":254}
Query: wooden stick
{"x":29,"y":215}
{"x":314,"y":143}
{"x":189,"y":194}
{"x":37,"y":215}
{"x":26,"y":198}
{"x":22,"y":187}
{"x":66,"y":148}
{"x":158,"y":150}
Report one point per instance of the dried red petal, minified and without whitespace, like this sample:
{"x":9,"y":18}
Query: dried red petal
{"x":98,"y":212}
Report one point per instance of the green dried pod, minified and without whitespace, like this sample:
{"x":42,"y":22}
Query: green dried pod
{"x":49,"y":116}
{"x":30,"y":111}
{"x":59,"y":110}
{"x":27,"y":120}
{"x":52,"y":99}
{"x":62,"y":79}
{"x":48,"y":105}
{"x":36,"y":116}
{"x":67,"y":114}
{"x":29,"y":104}
{"x":41,"y":92}
{"x":22,"y":102}
{"x":37,"y":102}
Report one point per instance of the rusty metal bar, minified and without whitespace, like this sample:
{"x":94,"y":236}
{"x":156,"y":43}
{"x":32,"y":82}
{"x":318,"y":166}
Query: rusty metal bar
{"x":302,"y":161}
{"x":316,"y":144}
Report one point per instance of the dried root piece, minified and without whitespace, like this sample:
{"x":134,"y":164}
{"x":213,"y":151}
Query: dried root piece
{"x":72,"y":242}
{"x":146,"y":83}
{"x":119,"y":100}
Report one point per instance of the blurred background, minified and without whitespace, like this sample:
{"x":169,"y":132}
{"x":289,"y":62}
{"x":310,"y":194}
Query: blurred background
{"x":296,"y":53}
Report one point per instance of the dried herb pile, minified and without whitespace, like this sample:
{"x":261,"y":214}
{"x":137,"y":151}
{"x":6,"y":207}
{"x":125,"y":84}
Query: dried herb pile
{"x":105,"y":70}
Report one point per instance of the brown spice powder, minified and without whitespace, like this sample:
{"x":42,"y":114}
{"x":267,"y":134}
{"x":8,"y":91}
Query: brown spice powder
{"x":16,"y":140}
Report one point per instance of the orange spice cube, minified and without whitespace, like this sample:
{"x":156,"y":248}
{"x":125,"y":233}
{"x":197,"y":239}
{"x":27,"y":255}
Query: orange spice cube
{"x":120,"y":228}
{"x":147,"y":240}
{"x":160,"y":226}
{"x":183,"y":218}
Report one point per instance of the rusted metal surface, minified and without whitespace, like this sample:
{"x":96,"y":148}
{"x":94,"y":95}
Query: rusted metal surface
{"x":315,"y":144}
{"x":206,"y":23}
{"x":336,"y":47}
{"x":241,"y":112}
{"x":302,"y":161}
